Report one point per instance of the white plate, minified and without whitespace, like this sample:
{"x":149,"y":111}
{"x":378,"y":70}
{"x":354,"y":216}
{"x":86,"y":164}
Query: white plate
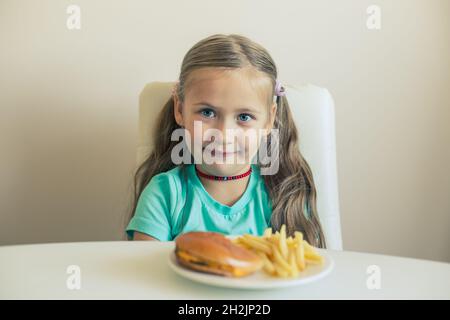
{"x":258,"y":280}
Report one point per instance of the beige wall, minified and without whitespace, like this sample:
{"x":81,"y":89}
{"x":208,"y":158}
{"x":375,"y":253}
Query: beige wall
{"x":68,"y":108}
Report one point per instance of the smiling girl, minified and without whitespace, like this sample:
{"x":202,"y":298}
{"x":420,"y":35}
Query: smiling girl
{"x":227,"y":83}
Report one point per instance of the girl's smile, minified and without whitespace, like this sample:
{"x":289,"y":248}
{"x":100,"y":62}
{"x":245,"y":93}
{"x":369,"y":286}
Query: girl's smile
{"x":223,"y":151}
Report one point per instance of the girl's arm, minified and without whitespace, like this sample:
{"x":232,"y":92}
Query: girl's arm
{"x":142,"y":236}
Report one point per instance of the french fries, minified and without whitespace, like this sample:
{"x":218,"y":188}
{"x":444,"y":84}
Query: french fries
{"x":282,"y":256}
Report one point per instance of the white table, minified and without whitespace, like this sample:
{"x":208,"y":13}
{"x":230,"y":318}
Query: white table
{"x":139,"y":270}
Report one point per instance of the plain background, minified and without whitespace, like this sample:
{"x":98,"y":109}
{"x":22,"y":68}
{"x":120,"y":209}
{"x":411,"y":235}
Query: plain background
{"x":69,"y":107}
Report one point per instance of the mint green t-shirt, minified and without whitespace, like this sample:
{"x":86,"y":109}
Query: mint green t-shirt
{"x":175,"y":202}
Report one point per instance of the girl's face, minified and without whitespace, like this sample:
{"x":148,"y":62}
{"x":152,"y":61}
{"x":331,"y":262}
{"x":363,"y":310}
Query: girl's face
{"x":230,"y":109}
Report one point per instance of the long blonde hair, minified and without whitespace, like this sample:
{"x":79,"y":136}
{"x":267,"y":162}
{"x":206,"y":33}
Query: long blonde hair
{"x":292,"y":188}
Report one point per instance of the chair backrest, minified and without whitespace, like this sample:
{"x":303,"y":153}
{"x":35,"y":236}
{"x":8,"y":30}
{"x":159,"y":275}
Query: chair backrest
{"x":313,"y":111}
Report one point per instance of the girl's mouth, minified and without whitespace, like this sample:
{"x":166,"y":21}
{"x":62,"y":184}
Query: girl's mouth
{"x":222,"y":154}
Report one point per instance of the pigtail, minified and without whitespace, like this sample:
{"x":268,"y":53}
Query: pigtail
{"x":292,"y":187}
{"x":159,"y":160}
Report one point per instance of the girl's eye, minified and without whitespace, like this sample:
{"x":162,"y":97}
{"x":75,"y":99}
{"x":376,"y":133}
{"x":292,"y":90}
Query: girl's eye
{"x":208,"y":113}
{"x":244,"y":117}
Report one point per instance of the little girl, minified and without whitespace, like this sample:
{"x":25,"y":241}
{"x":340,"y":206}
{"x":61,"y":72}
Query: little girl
{"x":227,"y":82}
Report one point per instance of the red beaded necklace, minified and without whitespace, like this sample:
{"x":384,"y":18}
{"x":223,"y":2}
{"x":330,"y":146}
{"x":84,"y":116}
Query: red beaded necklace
{"x":225,"y":178}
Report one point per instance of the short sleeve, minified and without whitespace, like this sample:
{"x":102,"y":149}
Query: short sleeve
{"x":153,"y":210}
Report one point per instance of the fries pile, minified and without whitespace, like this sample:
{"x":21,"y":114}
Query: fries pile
{"x":283,"y":256}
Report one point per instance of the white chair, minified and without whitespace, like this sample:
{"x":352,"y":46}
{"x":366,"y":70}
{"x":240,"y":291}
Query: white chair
{"x":313,"y":111}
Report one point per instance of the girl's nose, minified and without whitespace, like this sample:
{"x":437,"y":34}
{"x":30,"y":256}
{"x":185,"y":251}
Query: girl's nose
{"x":225,"y":124}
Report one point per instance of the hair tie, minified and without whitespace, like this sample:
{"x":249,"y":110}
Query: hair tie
{"x":279,"y":89}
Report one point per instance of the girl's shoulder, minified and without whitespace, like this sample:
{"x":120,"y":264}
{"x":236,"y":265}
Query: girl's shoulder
{"x":166,"y":187}
{"x":174,"y":172}
{"x":173,"y":178}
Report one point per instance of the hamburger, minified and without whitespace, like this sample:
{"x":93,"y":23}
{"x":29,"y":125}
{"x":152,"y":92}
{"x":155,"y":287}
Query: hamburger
{"x":212,"y":252}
